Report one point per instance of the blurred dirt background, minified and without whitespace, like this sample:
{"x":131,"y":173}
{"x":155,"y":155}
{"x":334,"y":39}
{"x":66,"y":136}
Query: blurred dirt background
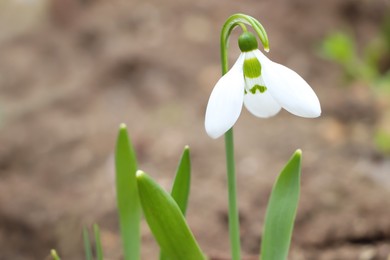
{"x":72,"y":71}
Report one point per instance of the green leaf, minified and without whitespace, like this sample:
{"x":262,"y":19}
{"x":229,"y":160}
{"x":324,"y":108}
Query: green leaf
{"x":166,"y":221}
{"x":127,"y":195}
{"x":87,"y":244}
{"x":181,"y":185}
{"x":382,"y":141}
{"x":99,"y":249}
{"x":385,"y":32}
{"x":281,"y":211}
{"x":339,"y":47}
{"x":54,"y":255}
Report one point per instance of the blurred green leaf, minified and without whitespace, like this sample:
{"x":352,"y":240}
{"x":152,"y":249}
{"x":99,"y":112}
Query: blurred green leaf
{"x":281,"y":211}
{"x":87,"y":244}
{"x":181,"y":186}
{"x":127,"y":195}
{"x":339,"y":47}
{"x":166,"y":221}
{"x":386,"y":29}
{"x":373,"y":53}
{"x":382,"y":141}
{"x":383,"y":84}
{"x":54,"y":255}
{"x":99,"y":249}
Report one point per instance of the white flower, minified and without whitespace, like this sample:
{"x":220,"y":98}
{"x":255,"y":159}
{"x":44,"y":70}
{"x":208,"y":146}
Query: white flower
{"x":263,"y":86}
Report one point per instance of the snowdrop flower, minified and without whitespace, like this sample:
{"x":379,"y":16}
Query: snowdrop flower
{"x":263,"y":86}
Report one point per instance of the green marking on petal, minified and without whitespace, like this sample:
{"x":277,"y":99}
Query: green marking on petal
{"x":261,"y":89}
{"x":252,"y":68}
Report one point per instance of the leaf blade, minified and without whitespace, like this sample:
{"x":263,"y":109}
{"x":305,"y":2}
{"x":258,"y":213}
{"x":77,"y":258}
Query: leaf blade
{"x":181,"y":185}
{"x":166,"y":221}
{"x":127,"y":195}
{"x":281,"y":211}
{"x":99,"y":248}
{"x":87,"y":244}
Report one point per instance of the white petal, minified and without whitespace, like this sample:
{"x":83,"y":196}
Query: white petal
{"x":289,"y":89}
{"x":225,"y":103}
{"x":261,"y":104}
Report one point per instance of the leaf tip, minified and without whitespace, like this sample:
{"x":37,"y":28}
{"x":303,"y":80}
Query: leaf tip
{"x":187,"y":148}
{"x":297,"y":156}
{"x":54,"y":254}
{"x":140,"y":174}
{"x":122,"y":133}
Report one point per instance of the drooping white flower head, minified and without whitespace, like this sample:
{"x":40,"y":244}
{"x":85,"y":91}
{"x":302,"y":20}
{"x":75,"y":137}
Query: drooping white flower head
{"x":263,"y":86}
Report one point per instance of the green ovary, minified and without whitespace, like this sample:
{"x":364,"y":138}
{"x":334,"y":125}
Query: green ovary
{"x":252,"y":68}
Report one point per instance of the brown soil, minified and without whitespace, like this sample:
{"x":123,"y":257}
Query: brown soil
{"x":67,"y":84}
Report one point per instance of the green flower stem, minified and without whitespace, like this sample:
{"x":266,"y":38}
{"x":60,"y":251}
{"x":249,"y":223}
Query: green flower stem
{"x":234,"y":223}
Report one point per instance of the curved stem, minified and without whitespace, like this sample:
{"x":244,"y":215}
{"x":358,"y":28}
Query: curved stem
{"x":227,"y":28}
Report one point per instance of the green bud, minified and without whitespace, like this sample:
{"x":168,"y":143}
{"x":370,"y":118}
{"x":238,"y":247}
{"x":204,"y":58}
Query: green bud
{"x":247,"y":42}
